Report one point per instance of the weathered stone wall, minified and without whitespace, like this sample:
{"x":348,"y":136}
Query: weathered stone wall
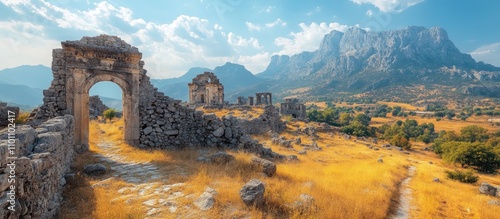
{"x":42,"y":158}
{"x":96,"y":107}
{"x":166,"y":123}
{"x":270,"y":120}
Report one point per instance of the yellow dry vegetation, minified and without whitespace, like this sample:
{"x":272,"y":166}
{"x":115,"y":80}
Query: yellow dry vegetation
{"x":444,"y":124}
{"x":253,"y":113}
{"x":344,"y":178}
{"x":405,"y":106}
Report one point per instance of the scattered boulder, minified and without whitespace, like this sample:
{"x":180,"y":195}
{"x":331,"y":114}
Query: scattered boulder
{"x":268,"y":167}
{"x":302,"y":152}
{"x":494,"y":202}
{"x":221,"y":158}
{"x":304,"y":203}
{"x":380,"y":160}
{"x":94,"y":169}
{"x":206,"y":200}
{"x":292,"y":158}
{"x":298,"y":141}
{"x":252,"y":193}
{"x":436,"y":180}
{"x":488,"y":189}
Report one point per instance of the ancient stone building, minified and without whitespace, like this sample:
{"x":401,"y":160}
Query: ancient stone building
{"x":264,"y":99}
{"x":206,"y":89}
{"x":294,"y":108}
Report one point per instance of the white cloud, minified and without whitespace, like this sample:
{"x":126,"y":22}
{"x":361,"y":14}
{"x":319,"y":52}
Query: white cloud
{"x":22,"y":39}
{"x":251,"y":26}
{"x":369,"y":13}
{"x":267,"y":9}
{"x":255,"y":63}
{"x":169,"y":49}
{"x":277,"y":22}
{"x":240,"y":41}
{"x":488,"y":53}
{"x":308,"y":39}
{"x":389,"y":5}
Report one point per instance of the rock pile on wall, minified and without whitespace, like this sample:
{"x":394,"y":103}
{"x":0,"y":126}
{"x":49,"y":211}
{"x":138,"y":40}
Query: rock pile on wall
{"x":270,"y":120}
{"x":96,"y":107}
{"x":42,"y":157}
{"x":166,"y":123}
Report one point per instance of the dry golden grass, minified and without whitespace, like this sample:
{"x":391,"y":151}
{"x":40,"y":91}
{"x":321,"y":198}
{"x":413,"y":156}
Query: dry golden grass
{"x":404,"y":106}
{"x":344,"y":178}
{"x":449,"y":199}
{"x":445,"y":124}
{"x":255,"y":112}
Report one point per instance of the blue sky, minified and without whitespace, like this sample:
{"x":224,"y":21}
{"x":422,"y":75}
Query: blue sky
{"x":177,"y":35}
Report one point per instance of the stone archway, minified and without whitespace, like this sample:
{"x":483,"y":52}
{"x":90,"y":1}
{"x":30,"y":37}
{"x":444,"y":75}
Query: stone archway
{"x":81,"y":64}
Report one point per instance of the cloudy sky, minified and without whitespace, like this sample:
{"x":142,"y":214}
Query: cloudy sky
{"x":177,"y":35}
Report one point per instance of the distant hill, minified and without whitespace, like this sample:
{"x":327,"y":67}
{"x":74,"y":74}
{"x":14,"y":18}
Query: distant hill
{"x":21,"y":95}
{"x":37,"y":76}
{"x":384,"y":64}
{"x":112,"y":103}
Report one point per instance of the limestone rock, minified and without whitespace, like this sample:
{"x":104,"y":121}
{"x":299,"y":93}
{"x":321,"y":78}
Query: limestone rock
{"x":221,"y":158}
{"x":487,"y":189}
{"x":252,"y":193}
{"x":268,"y":167}
{"x":94,"y":169}
{"x":206,"y":200}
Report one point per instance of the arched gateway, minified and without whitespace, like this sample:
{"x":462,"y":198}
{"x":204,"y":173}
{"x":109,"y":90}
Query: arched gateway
{"x":151,"y":118}
{"x":81,"y":64}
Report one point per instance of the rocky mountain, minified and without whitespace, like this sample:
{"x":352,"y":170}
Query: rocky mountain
{"x":234,"y":77}
{"x":363,"y":61}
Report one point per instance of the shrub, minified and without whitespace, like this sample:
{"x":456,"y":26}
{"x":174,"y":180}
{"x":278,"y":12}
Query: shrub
{"x":462,"y":176}
{"x":109,"y":114}
{"x":22,"y":117}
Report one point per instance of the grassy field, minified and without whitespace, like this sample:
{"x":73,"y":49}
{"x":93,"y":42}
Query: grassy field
{"x":344,"y":178}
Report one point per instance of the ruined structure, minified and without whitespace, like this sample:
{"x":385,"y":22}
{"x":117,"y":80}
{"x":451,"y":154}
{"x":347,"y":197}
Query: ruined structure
{"x":42,"y":159}
{"x":96,"y":107}
{"x":206,"y":89}
{"x":60,"y":127}
{"x":264,"y":99}
{"x":294,"y":108}
{"x":81,"y":64}
{"x":245,"y":101}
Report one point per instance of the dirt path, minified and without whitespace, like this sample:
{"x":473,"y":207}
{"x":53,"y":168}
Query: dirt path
{"x":144,"y":183}
{"x":404,"y":202}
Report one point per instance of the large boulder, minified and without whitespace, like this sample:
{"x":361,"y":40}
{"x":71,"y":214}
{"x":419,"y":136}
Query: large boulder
{"x":268,"y":167}
{"x":488,"y":189}
{"x":252,"y":193}
{"x":206,"y":200}
{"x":221,"y":158}
{"x":94,"y":169}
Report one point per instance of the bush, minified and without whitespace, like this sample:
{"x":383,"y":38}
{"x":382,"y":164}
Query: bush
{"x":478,"y":155}
{"x":22,"y":118}
{"x":462,"y":176}
{"x":109,"y":114}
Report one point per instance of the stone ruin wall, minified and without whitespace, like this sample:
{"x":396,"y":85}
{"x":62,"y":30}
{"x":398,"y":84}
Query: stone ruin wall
{"x":45,"y":152}
{"x":96,"y":107}
{"x":44,"y":156}
{"x":167,"y":124}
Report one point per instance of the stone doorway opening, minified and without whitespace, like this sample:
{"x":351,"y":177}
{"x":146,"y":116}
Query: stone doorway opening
{"x":105,"y":95}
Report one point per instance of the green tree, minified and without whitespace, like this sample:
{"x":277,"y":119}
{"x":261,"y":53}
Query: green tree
{"x":473,"y":133}
{"x":109,"y":114}
{"x":345,"y":118}
{"x":400,"y":141}
{"x":363,"y":119}
{"x":475,"y":154}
